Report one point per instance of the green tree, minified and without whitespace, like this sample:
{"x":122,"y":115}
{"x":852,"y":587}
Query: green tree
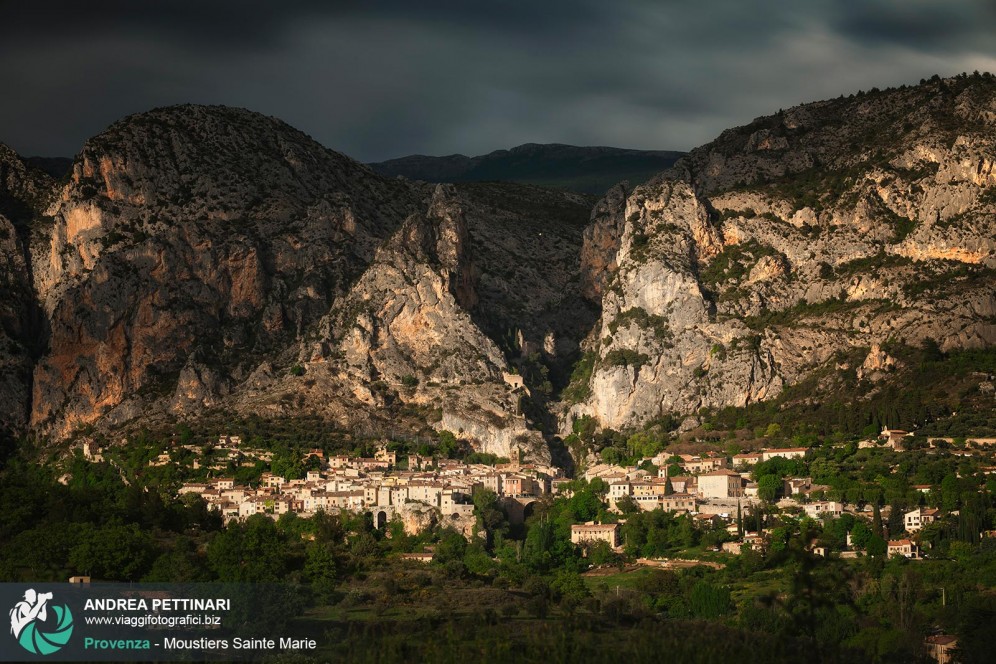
{"x":642,"y":444}
{"x":950,"y":492}
{"x":451,"y":546}
{"x":251,"y":552}
{"x":860,"y":535}
{"x":180,"y":564}
{"x":767,"y":487}
{"x":627,"y":505}
{"x":113,"y":553}
{"x":568,"y":584}
{"x":491,"y":519}
{"x":584,"y":428}
{"x":876,"y":546}
{"x":477,"y":560}
{"x":600,"y":553}
{"x":896,"y":521}
{"x":709,"y":601}
{"x":448,"y":445}
{"x":320,"y":568}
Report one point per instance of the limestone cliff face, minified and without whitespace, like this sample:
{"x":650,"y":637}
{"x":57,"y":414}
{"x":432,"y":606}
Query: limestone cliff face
{"x":15,"y":330}
{"x":24,"y":195}
{"x":194,"y":241}
{"x":406,"y":315}
{"x":601,"y":242}
{"x":404,"y":335}
{"x":205,"y":257}
{"x":786,"y":244}
{"x":212,"y":258}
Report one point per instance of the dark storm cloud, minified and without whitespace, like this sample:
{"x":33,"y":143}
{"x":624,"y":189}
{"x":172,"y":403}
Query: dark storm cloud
{"x":918,"y":24}
{"x":377,"y":79}
{"x":247,"y":24}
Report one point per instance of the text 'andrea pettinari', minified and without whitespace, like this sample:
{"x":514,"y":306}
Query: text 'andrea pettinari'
{"x":156,"y":604}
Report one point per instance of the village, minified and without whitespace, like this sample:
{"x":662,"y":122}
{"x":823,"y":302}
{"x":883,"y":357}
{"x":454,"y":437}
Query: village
{"x":714,"y":492}
{"x":423,"y":492}
{"x":727,"y":498}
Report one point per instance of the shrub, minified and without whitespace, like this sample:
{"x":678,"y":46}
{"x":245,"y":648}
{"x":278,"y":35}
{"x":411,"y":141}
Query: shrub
{"x":646,"y":321}
{"x":626,"y":357}
{"x":578,"y":389}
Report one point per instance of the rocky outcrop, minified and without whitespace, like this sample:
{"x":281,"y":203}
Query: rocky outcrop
{"x":15,"y":331}
{"x":778,"y":248}
{"x":404,"y":331}
{"x":205,"y":258}
{"x":526,"y":242}
{"x":195,"y":231}
{"x":601,"y":242}
{"x":24,"y":194}
{"x":408,"y":314}
{"x":877,"y":363}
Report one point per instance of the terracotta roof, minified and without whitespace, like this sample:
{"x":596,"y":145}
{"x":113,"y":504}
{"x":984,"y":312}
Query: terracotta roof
{"x":596,"y":526}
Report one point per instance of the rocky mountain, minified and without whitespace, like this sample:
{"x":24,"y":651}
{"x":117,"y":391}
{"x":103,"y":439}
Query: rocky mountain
{"x":586,"y":170}
{"x":435,"y":330}
{"x":198,"y":254}
{"x":190,"y":243}
{"x":213,"y":262}
{"x":797,"y":247}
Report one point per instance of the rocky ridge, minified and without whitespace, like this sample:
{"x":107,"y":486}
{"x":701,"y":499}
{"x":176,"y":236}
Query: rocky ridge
{"x":198,"y":254}
{"x":785,"y":245}
{"x":208,"y":259}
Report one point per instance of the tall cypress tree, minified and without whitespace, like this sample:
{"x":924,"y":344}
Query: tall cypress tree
{"x":896,"y":521}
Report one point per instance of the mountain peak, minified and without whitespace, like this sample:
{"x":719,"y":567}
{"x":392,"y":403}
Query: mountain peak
{"x":867,"y":127}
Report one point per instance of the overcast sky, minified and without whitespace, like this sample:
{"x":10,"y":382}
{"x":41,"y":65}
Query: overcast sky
{"x":384,"y":79}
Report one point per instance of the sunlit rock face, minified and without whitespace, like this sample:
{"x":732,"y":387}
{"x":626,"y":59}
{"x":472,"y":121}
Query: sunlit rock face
{"x":189,"y":243}
{"x":195,"y":255}
{"x":201,"y":259}
{"x":769,"y":253}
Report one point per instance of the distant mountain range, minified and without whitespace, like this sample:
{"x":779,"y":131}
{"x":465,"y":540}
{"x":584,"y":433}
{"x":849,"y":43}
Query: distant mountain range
{"x":54,"y":167}
{"x":587,"y":170}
